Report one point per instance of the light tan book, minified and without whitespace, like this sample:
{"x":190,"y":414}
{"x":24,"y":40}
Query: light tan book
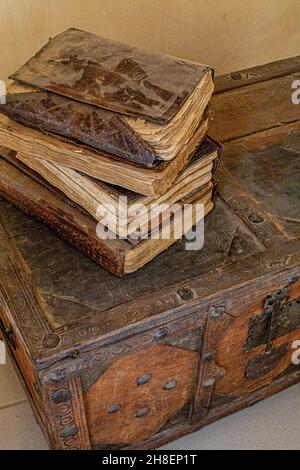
{"x":101,"y":199}
{"x":33,"y":195}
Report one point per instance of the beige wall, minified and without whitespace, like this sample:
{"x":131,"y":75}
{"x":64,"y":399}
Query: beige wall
{"x":228,"y":34}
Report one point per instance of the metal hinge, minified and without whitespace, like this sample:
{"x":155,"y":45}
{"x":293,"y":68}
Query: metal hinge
{"x":280,"y":316}
{"x":273,"y":305}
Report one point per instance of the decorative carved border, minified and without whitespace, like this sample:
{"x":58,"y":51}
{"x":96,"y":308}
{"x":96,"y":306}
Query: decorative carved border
{"x":88,"y":360}
{"x":120,"y":319}
{"x":17,"y":299}
{"x":66,"y":418}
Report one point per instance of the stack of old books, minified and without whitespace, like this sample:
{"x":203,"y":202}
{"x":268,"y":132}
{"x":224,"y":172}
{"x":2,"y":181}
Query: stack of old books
{"x":98,"y":137}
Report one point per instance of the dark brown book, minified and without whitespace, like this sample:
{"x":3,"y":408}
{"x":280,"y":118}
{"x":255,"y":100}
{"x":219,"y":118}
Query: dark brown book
{"x":91,"y":125}
{"x":62,"y":151}
{"x":113,"y":75}
{"x":142,"y":106}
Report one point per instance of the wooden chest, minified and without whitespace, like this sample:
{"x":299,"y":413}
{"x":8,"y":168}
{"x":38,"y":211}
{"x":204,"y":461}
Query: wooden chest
{"x":195,"y":335}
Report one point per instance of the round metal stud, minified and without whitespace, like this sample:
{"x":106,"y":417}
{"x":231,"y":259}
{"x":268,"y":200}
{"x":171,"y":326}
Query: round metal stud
{"x":256,"y":218}
{"x":143,"y":379}
{"x":114,"y":408}
{"x":51,"y":341}
{"x":185,"y":293}
{"x":142,"y":412}
{"x":61,"y":396}
{"x":170,"y":385}
{"x":161,"y":334}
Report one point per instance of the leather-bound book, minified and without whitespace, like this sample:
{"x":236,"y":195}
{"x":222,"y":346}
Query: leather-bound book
{"x":102,"y":166}
{"x":92,"y":194}
{"x":30,"y":192}
{"x":134,"y":104}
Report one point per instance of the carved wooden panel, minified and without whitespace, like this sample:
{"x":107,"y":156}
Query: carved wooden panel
{"x":67,"y":423}
{"x":138,"y":394}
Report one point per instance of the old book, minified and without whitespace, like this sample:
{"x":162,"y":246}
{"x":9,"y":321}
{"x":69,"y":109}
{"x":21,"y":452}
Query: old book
{"x":63,"y":151}
{"x":28,"y":191}
{"x":94,"y":195}
{"x":150,"y":104}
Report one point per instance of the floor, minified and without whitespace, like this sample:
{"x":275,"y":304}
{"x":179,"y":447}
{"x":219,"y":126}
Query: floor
{"x":271,"y":424}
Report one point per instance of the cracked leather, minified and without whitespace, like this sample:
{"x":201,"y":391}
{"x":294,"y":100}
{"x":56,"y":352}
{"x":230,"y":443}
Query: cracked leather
{"x":101,"y":129}
{"x":112,"y":75}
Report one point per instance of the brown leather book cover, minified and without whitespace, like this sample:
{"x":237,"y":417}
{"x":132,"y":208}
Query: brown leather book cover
{"x":98,"y":164}
{"x":115,"y":76}
{"x":132,"y":104}
{"x":94,"y":126}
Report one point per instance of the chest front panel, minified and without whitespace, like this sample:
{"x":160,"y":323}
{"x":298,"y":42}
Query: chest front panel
{"x":136,"y":396}
{"x":183,"y":374}
{"x":258,"y":349}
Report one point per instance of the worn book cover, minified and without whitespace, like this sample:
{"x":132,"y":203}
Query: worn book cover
{"x":137,"y":105}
